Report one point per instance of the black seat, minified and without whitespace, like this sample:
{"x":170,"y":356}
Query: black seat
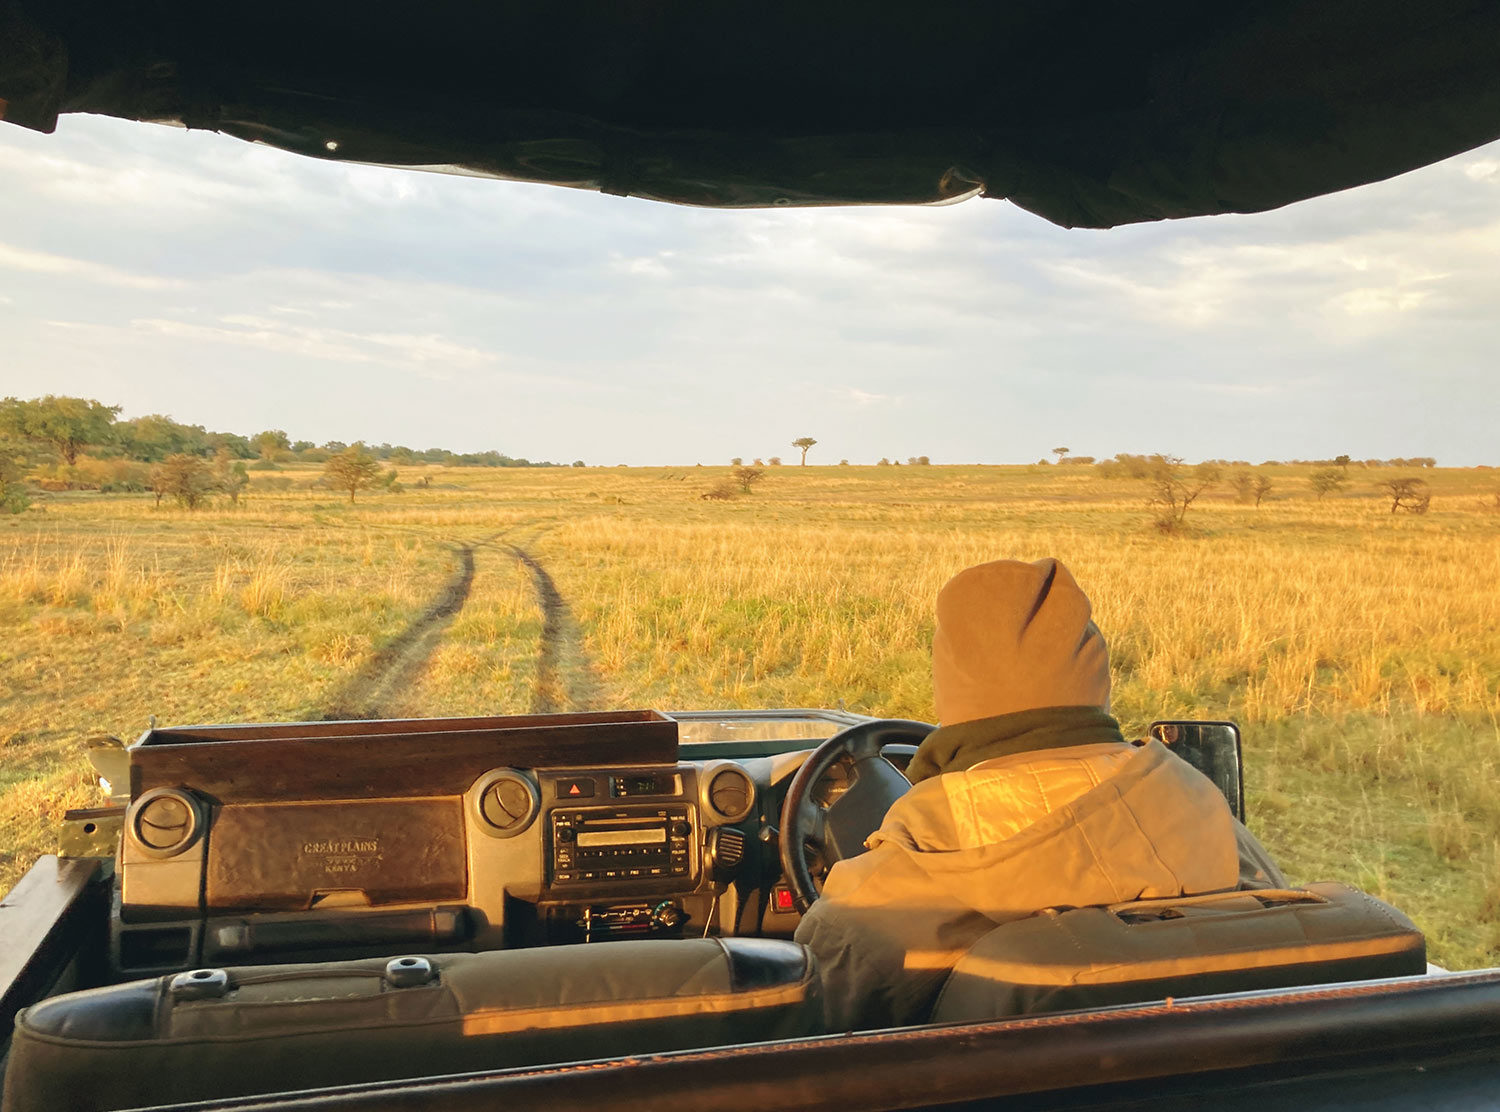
{"x":232,"y":1032}
{"x":1091,"y":957}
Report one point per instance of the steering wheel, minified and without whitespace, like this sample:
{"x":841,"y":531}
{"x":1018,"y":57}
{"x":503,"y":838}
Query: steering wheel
{"x":833,"y":833}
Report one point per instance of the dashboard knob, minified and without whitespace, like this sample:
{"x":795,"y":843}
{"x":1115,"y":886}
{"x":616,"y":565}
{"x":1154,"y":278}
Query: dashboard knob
{"x":667,"y":916}
{"x":564,"y":834}
{"x":681,"y":828}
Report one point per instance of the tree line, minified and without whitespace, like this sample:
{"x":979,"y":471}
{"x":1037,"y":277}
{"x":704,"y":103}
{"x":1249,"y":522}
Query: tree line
{"x":67,"y":443}
{"x":66,"y":427}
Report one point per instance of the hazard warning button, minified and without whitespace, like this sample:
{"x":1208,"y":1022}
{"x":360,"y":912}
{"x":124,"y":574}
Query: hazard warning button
{"x":575,"y":789}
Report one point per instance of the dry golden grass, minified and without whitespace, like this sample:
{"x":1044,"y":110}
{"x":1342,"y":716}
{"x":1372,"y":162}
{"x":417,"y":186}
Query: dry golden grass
{"x":1358,"y":649}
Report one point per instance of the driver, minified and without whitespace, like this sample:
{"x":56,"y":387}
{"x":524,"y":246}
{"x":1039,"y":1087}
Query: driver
{"x":1026,"y":797}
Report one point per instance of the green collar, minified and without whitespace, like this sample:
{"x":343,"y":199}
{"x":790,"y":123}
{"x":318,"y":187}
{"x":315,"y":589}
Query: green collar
{"x":964,"y":744}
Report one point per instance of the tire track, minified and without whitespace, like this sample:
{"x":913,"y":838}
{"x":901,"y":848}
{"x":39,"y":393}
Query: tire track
{"x":565,"y":679}
{"x":390,"y":673}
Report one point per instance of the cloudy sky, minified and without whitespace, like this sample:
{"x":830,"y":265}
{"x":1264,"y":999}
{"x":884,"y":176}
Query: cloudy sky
{"x":239,"y":288}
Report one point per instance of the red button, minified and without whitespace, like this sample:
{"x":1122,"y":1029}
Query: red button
{"x":781,"y":899}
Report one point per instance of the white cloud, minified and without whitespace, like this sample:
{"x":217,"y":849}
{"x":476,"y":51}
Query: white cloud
{"x":62,"y":266}
{"x":1380,"y":301}
{"x":431,"y":349}
{"x":246,"y":333}
{"x":323,"y":343}
{"x":648,"y":266}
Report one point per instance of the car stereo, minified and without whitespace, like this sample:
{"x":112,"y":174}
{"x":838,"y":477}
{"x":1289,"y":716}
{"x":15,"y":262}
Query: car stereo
{"x":593,"y":845}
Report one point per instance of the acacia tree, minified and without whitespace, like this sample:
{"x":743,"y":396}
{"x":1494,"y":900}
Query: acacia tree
{"x":1260,"y":489}
{"x":1174,"y":488}
{"x":1060,"y":452}
{"x":804,"y":442}
{"x":183,"y":477}
{"x":1327,"y":480}
{"x":1410,"y":495}
{"x":352,"y":469}
{"x":746,"y":476}
{"x":65,"y":425}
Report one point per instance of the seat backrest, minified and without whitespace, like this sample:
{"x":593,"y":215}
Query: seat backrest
{"x":1089,"y":957}
{"x":233,"y":1032}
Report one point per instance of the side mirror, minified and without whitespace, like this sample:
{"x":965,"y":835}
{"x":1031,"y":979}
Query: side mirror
{"x":1213,"y":748}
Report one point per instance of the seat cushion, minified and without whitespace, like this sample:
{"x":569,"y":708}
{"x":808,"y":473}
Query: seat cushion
{"x":275,"y":1028}
{"x":1092,"y":957}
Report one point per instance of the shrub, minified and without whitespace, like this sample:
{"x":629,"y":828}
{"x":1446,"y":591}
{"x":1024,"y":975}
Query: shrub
{"x":1407,"y":494}
{"x":183,"y":477}
{"x":724,"y":492}
{"x":1244,"y":485}
{"x":1174,"y":488}
{"x":230,"y":476}
{"x":111,"y":476}
{"x":14,"y":497}
{"x":1327,"y":480}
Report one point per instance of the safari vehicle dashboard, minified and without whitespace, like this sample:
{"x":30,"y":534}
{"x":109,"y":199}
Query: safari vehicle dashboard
{"x":308,"y":841}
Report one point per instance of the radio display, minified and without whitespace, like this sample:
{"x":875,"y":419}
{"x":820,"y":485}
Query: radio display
{"x":622,"y":837}
{"x":623,"y":787}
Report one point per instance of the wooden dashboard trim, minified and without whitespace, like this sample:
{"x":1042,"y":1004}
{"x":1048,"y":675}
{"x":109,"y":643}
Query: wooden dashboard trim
{"x":388,"y":759}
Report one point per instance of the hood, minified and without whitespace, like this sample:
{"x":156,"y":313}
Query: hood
{"x":1154,"y":828}
{"x":1013,"y":636}
{"x":1087,"y":114}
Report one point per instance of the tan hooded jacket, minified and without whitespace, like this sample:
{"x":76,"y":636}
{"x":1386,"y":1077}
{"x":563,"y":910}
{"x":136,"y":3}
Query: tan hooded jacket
{"x":1026,"y":799}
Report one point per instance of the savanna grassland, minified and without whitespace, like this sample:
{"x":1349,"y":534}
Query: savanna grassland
{"x":1359,"y":650}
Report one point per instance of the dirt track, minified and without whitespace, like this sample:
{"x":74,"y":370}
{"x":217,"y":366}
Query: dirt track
{"x":565,"y":680}
{"x":383,"y":681}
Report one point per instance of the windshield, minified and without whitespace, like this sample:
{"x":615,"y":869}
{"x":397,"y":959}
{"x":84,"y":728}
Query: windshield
{"x":285,"y":440}
{"x":702,"y":727}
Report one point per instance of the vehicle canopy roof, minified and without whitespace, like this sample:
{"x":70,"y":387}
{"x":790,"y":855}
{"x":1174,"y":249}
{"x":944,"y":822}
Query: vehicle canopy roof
{"x":1089,"y":114}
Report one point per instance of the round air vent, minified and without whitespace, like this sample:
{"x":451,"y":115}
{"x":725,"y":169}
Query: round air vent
{"x":507,"y":801}
{"x":164,"y":821}
{"x":731,"y":793}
